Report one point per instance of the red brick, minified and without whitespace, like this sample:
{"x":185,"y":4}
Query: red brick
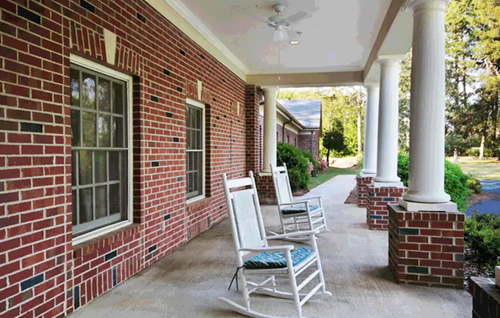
{"x":430,"y":247}
{"x":18,"y":184}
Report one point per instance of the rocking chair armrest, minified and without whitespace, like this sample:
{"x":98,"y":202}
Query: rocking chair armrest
{"x":293,"y":203}
{"x":294,"y":234}
{"x":319,"y":197}
{"x":275,"y":248}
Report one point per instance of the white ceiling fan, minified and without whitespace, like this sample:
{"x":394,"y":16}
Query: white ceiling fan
{"x":280,"y":24}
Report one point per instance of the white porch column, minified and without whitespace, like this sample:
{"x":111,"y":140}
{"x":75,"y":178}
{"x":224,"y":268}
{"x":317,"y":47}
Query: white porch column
{"x":371,"y":130}
{"x":269,"y":128}
{"x":388,"y":122}
{"x":427,"y":107}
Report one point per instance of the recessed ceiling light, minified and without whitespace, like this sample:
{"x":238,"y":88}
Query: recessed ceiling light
{"x":294,"y":42}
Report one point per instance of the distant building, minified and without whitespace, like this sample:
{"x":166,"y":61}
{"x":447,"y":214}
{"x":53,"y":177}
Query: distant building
{"x":298,"y":123}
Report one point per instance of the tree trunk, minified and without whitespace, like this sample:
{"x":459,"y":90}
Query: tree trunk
{"x":494,"y":118}
{"x":328,"y":157}
{"x":455,"y":156}
{"x":481,"y":148}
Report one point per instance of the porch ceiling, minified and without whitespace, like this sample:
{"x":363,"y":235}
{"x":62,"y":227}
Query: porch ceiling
{"x":339,"y":42}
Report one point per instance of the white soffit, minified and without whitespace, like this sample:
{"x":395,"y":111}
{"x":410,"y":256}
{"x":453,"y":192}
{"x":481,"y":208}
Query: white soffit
{"x":397,"y":42}
{"x":338,"y":35}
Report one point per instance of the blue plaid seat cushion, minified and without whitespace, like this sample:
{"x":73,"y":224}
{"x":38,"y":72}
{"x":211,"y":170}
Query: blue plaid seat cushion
{"x":299,"y":209}
{"x":277,"y":259}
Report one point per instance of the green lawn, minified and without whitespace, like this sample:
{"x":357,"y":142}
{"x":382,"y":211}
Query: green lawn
{"x":480,"y":169}
{"x":330,"y":173}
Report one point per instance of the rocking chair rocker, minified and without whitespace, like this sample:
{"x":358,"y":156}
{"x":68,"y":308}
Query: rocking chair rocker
{"x":255,"y":257}
{"x":296,"y":215}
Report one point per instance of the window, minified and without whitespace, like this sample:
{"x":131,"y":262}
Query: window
{"x":101,"y":149}
{"x":195,"y":150}
{"x":287,"y":139}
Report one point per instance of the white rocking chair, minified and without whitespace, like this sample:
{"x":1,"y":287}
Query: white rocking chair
{"x":255,"y":257}
{"x":296,"y":215}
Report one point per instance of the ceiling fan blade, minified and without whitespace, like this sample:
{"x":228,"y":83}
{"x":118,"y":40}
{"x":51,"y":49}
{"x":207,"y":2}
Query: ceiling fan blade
{"x":297,"y":17}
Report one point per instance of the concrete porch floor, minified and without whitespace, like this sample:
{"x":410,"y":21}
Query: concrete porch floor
{"x":187,"y":282}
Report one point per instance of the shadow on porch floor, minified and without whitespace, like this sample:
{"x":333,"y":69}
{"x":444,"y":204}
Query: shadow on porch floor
{"x":187,"y":282}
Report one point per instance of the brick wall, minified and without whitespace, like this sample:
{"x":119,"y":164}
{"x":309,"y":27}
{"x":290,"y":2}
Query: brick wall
{"x":485,"y":297}
{"x":426,"y":248}
{"x":254,"y":130}
{"x":292,"y":136}
{"x":41,"y":272}
{"x":362,"y":184}
{"x":305,"y":142}
{"x":377,"y":215}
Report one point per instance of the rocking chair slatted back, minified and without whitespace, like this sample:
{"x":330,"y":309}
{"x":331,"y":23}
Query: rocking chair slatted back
{"x":244,"y":213}
{"x":246,"y":219}
{"x":282,"y":184}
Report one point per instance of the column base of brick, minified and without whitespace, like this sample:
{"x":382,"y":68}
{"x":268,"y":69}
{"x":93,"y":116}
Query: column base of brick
{"x":485,"y":297}
{"x":362,"y":184}
{"x":265,"y":189}
{"x":377,"y":215}
{"x":426,"y":248}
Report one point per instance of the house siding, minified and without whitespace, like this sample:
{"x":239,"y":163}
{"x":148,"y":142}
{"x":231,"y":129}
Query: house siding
{"x":41,"y":272}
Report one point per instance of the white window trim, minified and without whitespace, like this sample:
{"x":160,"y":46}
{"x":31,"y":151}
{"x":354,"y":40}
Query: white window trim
{"x":192,"y":102}
{"x":75,"y":59}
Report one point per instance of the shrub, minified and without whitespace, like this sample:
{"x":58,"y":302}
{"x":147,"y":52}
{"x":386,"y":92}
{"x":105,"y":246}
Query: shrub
{"x":472,"y":152}
{"x":455,"y":181}
{"x":322,"y":164}
{"x":296,"y":163}
{"x":311,"y":159}
{"x":474,"y":185}
{"x":482,"y":237}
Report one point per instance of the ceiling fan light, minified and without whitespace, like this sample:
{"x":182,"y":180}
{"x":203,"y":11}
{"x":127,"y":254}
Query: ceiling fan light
{"x":280,"y":34}
{"x":294,"y":42}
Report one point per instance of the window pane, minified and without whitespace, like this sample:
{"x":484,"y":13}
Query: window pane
{"x":118,"y":132}
{"x":124,"y":184}
{"x":85,"y":167}
{"x":104,"y":94}
{"x":190,"y":181}
{"x":114,"y":198}
{"x":88,"y":129}
{"x":74,"y":204}
{"x":86,"y":205}
{"x":117,"y":98}
{"x":198,"y":118}
{"x":74,"y":167}
{"x":103,"y":130}
{"x":75,"y":87}
{"x":114,"y":165}
{"x":88,"y":91}
{"x":75,"y":127}
{"x":100,"y":166}
{"x":101,"y":202}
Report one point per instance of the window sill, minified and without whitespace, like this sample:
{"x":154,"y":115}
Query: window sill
{"x":85,"y":241}
{"x":195,"y":200}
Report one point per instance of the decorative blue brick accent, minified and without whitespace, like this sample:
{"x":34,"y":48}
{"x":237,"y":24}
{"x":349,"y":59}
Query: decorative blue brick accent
{"x":114,"y":276}
{"x":418,"y":270}
{"x":459,"y":257}
{"x":166,"y":217}
{"x":371,"y":194}
{"x":30,"y":282}
{"x":151,"y":248}
{"x":388,"y":199}
{"x":110,"y":255}
{"x":76,"y":297}
{"x":408,"y":231}
{"x":376,"y":217}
